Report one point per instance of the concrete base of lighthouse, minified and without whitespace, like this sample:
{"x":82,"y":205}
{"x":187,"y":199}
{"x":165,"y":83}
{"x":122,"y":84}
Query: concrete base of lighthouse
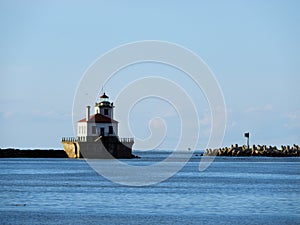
{"x":101,"y":148}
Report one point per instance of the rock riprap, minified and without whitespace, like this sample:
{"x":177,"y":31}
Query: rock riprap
{"x":259,"y":150}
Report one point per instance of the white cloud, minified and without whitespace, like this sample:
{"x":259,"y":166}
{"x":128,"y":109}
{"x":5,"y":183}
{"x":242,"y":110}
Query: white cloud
{"x":6,"y":114}
{"x":168,"y":111}
{"x":206,"y":118}
{"x":293,"y":119}
{"x":232,"y":124}
{"x":265,"y":108}
{"x":294,"y":115}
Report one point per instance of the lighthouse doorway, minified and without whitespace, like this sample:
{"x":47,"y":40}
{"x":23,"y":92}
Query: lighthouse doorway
{"x":102,"y":131}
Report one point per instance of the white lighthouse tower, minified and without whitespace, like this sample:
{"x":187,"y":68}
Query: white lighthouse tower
{"x":104,"y":107}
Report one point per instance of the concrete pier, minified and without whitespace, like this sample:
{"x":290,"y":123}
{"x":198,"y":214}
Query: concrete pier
{"x":101,"y":148}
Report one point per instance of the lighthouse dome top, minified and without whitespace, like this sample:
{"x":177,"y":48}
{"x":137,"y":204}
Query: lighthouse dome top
{"x":104,"y":99}
{"x":104,"y":96}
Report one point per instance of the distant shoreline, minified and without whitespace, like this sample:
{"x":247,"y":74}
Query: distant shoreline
{"x":233,"y":150}
{"x":32,"y":153}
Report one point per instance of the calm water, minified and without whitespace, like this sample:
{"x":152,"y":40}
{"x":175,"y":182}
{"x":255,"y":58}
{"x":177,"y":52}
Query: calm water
{"x":230,"y":191}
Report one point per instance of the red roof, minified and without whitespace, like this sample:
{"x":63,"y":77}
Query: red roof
{"x":99,"y":118}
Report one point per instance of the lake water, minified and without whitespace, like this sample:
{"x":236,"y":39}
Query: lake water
{"x":231,"y":191}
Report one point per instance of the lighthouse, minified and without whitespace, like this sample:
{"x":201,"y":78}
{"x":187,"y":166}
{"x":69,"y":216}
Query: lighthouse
{"x":99,"y":124}
{"x":97,"y":134}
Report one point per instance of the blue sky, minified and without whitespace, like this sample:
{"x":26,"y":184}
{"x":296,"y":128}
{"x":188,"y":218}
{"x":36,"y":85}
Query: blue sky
{"x":251,"y":46}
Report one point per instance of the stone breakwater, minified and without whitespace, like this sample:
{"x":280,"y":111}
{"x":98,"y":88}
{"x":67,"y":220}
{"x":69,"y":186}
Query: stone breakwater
{"x":259,"y":150}
{"x":35,"y":153}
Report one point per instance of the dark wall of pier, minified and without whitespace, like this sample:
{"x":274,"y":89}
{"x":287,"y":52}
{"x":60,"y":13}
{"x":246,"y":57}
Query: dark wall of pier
{"x":36,"y":153}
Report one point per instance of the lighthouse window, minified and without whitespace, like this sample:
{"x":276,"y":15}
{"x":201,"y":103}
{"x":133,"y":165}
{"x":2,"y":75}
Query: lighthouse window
{"x":105,"y":111}
{"x":93,"y":129}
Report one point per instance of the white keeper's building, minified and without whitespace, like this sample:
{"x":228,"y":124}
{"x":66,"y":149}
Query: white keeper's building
{"x":101,"y":123}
